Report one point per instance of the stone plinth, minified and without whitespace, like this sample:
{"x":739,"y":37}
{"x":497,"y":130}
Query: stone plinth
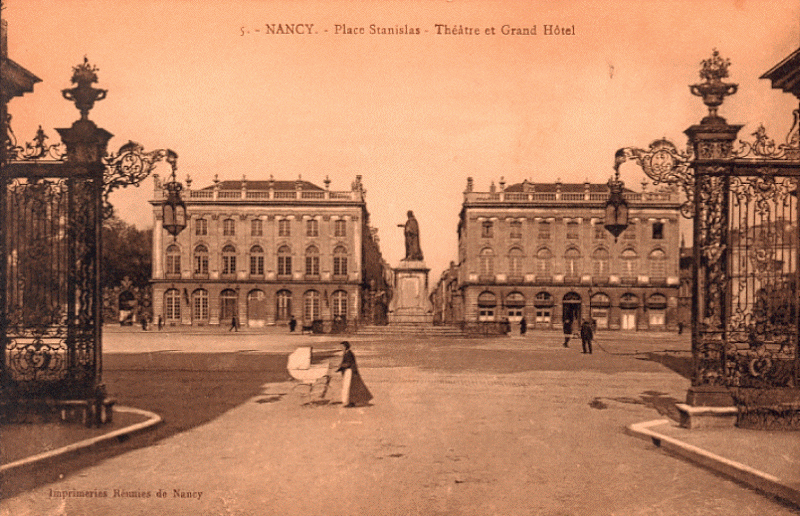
{"x":410,"y":304}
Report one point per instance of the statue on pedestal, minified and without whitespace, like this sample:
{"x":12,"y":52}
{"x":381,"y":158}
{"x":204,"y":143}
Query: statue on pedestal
{"x":411,"y":230}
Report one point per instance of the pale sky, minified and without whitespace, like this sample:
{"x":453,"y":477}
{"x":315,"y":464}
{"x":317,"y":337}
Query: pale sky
{"x":415,"y":115}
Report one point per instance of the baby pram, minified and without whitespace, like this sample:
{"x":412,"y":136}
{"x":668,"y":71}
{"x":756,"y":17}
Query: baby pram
{"x":305,"y":373}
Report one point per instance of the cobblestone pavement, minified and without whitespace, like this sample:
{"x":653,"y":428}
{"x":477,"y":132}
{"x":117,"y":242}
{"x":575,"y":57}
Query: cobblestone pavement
{"x":466,"y":431}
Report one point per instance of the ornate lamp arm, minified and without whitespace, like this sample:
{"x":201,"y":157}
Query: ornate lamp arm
{"x":130,"y":166}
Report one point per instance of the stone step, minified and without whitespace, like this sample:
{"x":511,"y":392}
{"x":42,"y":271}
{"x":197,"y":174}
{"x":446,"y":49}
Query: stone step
{"x":411,"y":329}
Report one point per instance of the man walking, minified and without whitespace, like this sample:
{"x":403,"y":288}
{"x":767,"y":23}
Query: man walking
{"x":586,"y":336}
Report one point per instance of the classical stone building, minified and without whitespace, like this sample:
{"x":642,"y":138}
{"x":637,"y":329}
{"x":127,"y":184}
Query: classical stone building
{"x":541,"y":251}
{"x":265,"y":251}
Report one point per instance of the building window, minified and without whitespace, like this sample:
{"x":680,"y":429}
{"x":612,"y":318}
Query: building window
{"x":658,"y":264}
{"x":228,"y":305}
{"x":340,"y":261}
{"x":201,"y":260}
{"x":658,"y":231}
{"x":600,"y":232}
{"x":339,"y":302}
{"x":256,"y":261}
{"x":200,"y":305}
{"x":201,"y":227}
{"x":543,"y":303}
{"x":340,"y":228}
{"x":284,"y":261}
{"x":572,"y":263}
{"x":172,"y":305}
{"x":515,"y":229}
{"x":572,"y":229}
{"x":173,"y":260}
{"x":257,"y":227}
{"x":544,"y":230}
{"x":600,"y":263}
{"x":228,"y":227}
{"x":228,"y":260}
{"x":312,"y":228}
{"x":487,"y":302}
{"x":515,"y":258}
{"x":629,"y":259}
{"x":544,"y":263}
{"x":312,"y":261}
{"x":487,"y":262}
{"x":311,"y":306}
{"x":284,"y":305}
{"x":487,"y":229}
{"x":543,"y":315}
{"x":284,"y":229}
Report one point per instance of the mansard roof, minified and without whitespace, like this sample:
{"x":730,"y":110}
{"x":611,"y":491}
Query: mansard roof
{"x":265,"y":185}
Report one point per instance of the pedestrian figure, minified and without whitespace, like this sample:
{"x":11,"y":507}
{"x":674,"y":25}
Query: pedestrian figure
{"x":680,"y":327}
{"x":567,"y":331}
{"x":523,"y":326}
{"x":586,"y":336}
{"x":160,"y":323}
{"x":292,"y":324}
{"x":234,"y":324}
{"x":354,"y":392}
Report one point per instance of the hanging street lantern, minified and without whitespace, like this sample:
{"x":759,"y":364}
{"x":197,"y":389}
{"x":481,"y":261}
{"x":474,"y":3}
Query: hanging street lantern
{"x":174,"y":209}
{"x":616,"y":207}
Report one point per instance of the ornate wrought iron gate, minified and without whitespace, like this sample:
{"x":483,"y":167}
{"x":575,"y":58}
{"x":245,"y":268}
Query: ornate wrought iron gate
{"x":744,"y":201}
{"x":52,"y":204}
{"x":52,"y":244}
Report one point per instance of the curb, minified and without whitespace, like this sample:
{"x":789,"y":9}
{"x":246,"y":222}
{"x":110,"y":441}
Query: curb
{"x":152,"y":421}
{"x":754,"y":478}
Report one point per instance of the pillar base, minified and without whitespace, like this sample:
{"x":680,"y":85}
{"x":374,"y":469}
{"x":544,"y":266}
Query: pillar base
{"x":695,"y":418}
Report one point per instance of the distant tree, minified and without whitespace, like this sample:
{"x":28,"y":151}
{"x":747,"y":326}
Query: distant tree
{"x":126,"y":252}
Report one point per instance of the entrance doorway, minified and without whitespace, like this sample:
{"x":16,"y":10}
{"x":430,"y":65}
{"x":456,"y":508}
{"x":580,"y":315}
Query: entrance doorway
{"x":572,"y":308}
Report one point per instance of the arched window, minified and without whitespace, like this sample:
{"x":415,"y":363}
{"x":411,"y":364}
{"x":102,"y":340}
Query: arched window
{"x":544,"y":263}
{"x":340,"y":261}
{"x":487,"y":302}
{"x":572,"y":262}
{"x":487,"y":262}
{"x":228,"y":227}
{"x":339,"y":303}
{"x":284,"y":305}
{"x":543,"y":307}
{"x":312,"y":261}
{"x":284,"y":261}
{"x":200,"y":306}
{"x":658,"y":264}
{"x":515,"y":258}
{"x":311,"y":308}
{"x":173,"y":260}
{"x":228,"y":301}
{"x":629,"y":263}
{"x":172,"y":305}
{"x":600,"y":261}
{"x":256,"y":261}
{"x":228,"y":260}
{"x":201,"y":260}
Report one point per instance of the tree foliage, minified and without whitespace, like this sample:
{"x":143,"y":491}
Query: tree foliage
{"x":126,"y":252}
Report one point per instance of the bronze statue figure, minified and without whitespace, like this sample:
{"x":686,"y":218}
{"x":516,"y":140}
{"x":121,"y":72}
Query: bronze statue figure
{"x":411,"y":230}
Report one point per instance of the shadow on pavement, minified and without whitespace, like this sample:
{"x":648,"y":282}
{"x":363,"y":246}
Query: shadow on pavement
{"x":681,"y":364}
{"x":185,"y":389}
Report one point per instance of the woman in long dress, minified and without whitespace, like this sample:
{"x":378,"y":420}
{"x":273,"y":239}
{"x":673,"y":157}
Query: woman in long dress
{"x":354,"y":391}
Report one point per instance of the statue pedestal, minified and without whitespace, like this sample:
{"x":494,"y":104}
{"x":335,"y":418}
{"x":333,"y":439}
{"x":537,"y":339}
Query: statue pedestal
{"x":410,"y":304}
